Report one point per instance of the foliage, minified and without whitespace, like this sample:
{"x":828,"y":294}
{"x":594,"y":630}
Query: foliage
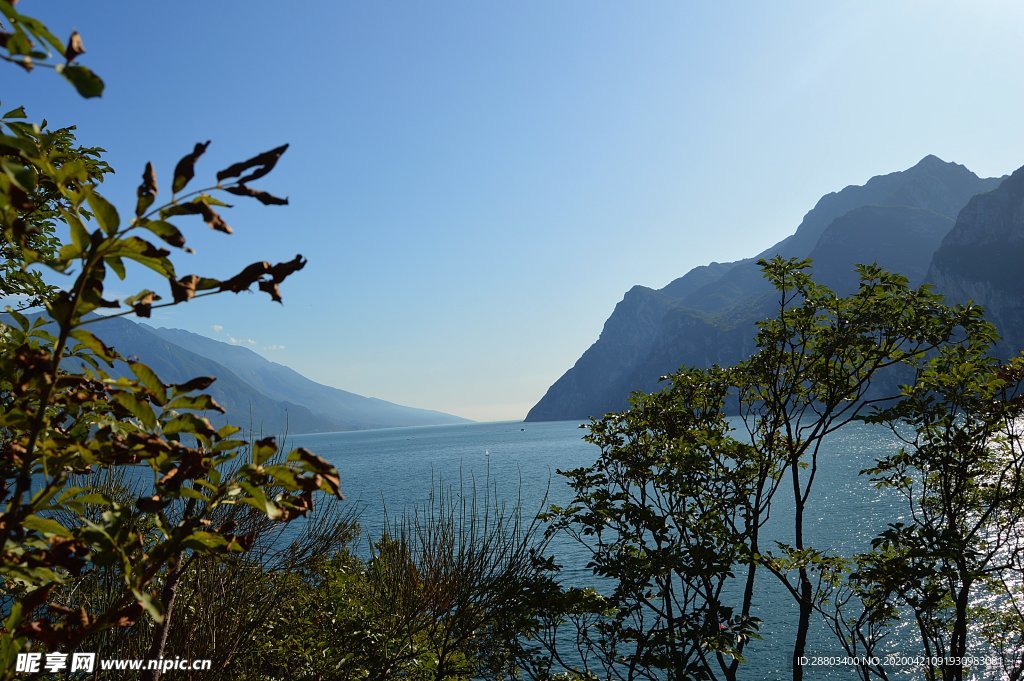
{"x":29,"y":43}
{"x":33,"y":205}
{"x":960,"y":473}
{"x":65,"y":415}
{"x":228,"y":608}
{"x":445,"y":593}
{"x":459,"y":575}
{"x":822,"y":362}
{"x":663,"y":514}
{"x":672,"y":511}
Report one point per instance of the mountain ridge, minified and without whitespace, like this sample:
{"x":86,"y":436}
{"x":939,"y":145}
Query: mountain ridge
{"x":284,"y":383}
{"x":281,"y":401}
{"x":708,"y":315}
{"x":979,"y":260}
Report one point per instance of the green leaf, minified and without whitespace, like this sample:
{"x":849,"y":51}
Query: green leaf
{"x":97,"y":498}
{"x":45,"y":526}
{"x":85,"y":81}
{"x":144,"y":253}
{"x":40,"y":31}
{"x":258,"y":500}
{"x":117,"y":264}
{"x":105,"y":213}
{"x":150,"y":381}
{"x":149,"y":604}
{"x":228,"y":445}
{"x":206,"y":542}
{"x":43,"y":497}
{"x":193,"y":494}
{"x":227,"y":430}
{"x":18,"y":43}
{"x":14,"y":618}
{"x":23,"y":145}
{"x":72,"y":171}
{"x":263,"y":450}
{"x":207,"y":484}
{"x":72,"y":493}
{"x":69,"y":252}
{"x":138,"y":408}
{"x":284,"y":476}
{"x":196,"y":402}
{"x":16,"y":113}
{"x":189,"y":423}
{"x":79,"y":235}
{"x":20,"y":318}
{"x":166,"y":231}
{"x":98,"y":347}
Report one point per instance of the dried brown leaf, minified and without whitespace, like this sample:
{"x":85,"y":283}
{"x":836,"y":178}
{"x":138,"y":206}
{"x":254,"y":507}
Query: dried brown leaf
{"x":74,"y":47}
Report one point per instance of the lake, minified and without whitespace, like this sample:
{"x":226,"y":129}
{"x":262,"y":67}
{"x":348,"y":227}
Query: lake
{"x":395,"y":469}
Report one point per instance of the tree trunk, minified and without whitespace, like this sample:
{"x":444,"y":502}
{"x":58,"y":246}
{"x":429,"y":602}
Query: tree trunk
{"x":803,"y":625}
{"x":804,"y":599}
{"x":167,"y":597}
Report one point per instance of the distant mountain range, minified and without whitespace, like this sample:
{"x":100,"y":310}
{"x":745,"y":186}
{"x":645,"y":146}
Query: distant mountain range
{"x":258,"y":394}
{"x":936,"y":222}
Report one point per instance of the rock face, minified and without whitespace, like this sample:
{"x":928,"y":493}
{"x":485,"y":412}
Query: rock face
{"x":708,"y":315}
{"x":641,"y":341}
{"x":981,"y":258}
{"x":899,"y":239}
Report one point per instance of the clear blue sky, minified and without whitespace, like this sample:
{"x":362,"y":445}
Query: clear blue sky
{"x":476,"y":184}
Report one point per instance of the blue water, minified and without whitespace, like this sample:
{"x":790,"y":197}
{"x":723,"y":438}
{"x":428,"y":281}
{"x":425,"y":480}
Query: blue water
{"x":395,"y":469}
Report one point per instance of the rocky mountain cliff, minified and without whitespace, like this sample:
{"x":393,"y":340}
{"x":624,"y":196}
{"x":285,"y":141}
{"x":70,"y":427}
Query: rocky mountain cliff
{"x":981,"y":258}
{"x":708,"y":315}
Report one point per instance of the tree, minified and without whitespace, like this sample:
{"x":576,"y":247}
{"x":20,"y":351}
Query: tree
{"x":960,"y":473}
{"x":65,"y":415}
{"x":673,"y":509}
{"x":816,"y":364}
{"x":228,"y":608}
{"x":30,"y":44}
{"x":35,"y":207}
{"x":663,"y":513}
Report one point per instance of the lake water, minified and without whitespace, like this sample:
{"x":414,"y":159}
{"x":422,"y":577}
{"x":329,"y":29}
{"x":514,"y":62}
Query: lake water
{"x":396,"y":468}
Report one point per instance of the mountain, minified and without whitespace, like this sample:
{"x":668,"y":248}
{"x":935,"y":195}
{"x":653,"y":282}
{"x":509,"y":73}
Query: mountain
{"x":980,"y":260}
{"x":245,"y":406}
{"x":258,"y":394}
{"x":345,"y":410}
{"x":708,"y":315}
{"x":932,"y":184}
{"x":899,"y":239}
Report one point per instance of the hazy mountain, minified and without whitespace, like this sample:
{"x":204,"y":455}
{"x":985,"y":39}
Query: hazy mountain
{"x":708,"y":315}
{"x":342,"y":409}
{"x":897,"y":238}
{"x":932,"y":184}
{"x":246,"y":407}
{"x":257,"y":394}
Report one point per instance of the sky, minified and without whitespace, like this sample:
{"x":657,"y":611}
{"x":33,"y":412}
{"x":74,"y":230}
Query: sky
{"x":477,"y":184}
